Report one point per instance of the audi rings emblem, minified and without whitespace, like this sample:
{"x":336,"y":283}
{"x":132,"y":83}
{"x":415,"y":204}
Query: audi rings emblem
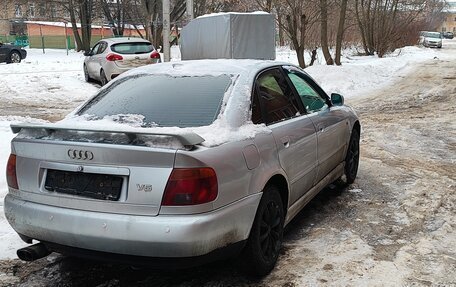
{"x":80,"y":154}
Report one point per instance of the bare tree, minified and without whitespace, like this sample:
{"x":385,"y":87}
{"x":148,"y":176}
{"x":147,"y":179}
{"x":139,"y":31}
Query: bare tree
{"x":324,"y":31}
{"x":81,"y":11}
{"x":296,"y":28}
{"x":340,"y":30}
{"x":116,"y":13}
{"x":383,"y":23}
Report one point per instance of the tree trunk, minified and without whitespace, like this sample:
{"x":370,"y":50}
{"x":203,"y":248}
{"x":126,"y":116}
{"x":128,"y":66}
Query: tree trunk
{"x":280,"y":26}
{"x":324,"y":32}
{"x":358,"y":14}
{"x":340,"y":31}
{"x":297,"y":38}
{"x":77,"y":37}
{"x":85,"y":16}
{"x":302,"y":61}
{"x":313,"y":57}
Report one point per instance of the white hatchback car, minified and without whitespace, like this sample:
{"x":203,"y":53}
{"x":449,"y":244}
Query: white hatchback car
{"x":111,"y":57}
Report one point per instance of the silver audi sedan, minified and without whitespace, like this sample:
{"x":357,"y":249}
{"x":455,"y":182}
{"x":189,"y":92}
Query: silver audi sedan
{"x":181,"y":163}
{"x":111,"y":57}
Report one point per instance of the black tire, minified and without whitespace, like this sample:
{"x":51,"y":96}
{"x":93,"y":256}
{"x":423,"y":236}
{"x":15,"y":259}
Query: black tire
{"x":103,"y":78}
{"x":352,"y":158}
{"x":263,"y":245}
{"x":87,"y":77}
{"x":14,"y":57}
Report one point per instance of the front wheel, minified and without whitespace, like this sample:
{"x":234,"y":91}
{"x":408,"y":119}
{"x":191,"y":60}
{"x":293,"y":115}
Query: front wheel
{"x":263,"y":246}
{"x":14,"y":57}
{"x":352,"y":157}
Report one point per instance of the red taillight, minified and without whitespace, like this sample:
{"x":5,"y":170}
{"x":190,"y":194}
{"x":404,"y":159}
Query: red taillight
{"x":11,"y":177}
{"x":155,"y":55}
{"x":114,"y":57}
{"x":190,"y":186}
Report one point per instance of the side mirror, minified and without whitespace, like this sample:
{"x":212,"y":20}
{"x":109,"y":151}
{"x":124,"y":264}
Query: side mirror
{"x":87,"y":54}
{"x":337,"y":100}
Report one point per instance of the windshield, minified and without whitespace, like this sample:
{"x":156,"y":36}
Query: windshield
{"x":433,"y":35}
{"x":162,"y":100}
{"x":132,"y":48}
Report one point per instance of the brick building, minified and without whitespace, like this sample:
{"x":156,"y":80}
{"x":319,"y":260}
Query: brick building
{"x":13,"y":13}
{"x":449,"y":24}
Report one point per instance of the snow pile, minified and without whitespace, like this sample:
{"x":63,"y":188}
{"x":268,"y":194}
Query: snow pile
{"x":52,"y":77}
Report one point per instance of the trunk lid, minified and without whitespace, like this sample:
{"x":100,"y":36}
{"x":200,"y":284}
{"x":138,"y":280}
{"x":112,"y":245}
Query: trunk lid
{"x":88,"y":170}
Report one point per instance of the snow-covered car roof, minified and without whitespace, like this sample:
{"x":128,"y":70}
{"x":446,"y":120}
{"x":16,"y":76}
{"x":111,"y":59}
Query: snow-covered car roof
{"x":207,"y":67}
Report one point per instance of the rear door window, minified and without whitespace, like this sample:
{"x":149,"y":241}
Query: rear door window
{"x":273,"y":99}
{"x":162,"y":100}
{"x":132,"y":48}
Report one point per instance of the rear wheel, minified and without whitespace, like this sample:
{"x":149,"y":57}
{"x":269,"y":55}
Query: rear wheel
{"x":14,"y":57}
{"x":103,"y":78}
{"x":86,"y":75}
{"x":263,"y":246}
{"x":352,"y":157}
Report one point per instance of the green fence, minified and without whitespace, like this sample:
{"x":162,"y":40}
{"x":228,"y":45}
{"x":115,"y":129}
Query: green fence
{"x":57,"y":42}
{"x":48,"y":42}
{"x":16,"y":40}
{"x":52,"y":42}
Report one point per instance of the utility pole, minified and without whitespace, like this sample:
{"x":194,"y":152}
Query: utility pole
{"x":166,"y":30}
{"x":190,"y":10}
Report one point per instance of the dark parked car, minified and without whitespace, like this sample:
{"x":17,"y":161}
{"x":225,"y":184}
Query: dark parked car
{"x":448,"y":35}
{"x":11,"y":53}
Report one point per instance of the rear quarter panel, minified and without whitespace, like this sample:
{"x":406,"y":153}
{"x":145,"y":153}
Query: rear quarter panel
{"x":240,"y":170}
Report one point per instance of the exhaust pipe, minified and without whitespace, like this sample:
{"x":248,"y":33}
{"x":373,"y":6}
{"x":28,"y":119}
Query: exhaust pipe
{"x":33,"y":252}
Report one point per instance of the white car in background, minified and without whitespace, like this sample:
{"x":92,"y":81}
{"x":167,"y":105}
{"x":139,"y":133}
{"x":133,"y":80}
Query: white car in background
{"x":431,"y":39}
{"x":113,"y":56}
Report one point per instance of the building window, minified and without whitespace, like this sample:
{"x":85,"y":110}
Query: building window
{"x":66,"y":14}
{"x":32,"y":10}
{"x":53,"y":11}
{"x":18,"y":10}
{"x":42,"y":10}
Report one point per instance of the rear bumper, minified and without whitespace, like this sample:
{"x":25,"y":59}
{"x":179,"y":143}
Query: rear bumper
{"x":112,"y":70}
{"x":170,"y":236}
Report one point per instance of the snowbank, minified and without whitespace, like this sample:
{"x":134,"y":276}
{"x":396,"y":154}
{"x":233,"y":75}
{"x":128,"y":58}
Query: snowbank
{"x":359,"y":75}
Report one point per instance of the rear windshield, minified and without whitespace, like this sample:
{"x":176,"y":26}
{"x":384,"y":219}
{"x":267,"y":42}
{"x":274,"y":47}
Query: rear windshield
{"x":162,"y":100}
{"x":132,"y":48}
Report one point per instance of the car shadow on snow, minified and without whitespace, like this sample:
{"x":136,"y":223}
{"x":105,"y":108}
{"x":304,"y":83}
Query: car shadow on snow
{"x":71,"y":271}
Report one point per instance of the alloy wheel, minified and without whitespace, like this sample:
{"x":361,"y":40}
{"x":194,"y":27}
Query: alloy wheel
{"x":15,"y":57}
{"x":270,"y":231}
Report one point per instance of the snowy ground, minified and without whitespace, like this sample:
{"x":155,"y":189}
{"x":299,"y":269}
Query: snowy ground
{"x":404,"y":145}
